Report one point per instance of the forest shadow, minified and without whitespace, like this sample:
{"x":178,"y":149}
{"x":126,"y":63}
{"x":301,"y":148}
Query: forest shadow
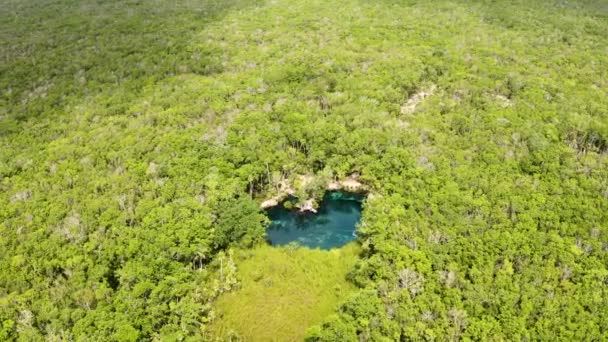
{"x":61,"y":52}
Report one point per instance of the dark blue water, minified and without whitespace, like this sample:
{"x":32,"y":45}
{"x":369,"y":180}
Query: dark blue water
{"x":333,"y":226}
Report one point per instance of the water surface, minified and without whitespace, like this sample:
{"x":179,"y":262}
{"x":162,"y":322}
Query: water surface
{"x":333,"y":226}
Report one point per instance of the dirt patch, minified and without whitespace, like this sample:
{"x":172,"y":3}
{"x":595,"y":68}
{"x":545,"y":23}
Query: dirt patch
{"x":410,"y":106}
{"x":503,"y":101}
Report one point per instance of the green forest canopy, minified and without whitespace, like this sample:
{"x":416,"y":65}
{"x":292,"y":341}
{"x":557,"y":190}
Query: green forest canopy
{"x":132,"y":132}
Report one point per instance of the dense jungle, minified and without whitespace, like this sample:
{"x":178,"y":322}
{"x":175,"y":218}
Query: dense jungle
{"x":145,"y":143}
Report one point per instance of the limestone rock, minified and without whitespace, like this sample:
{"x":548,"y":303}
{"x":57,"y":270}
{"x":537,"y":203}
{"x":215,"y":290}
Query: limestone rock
{"x":308,"y":205}
{"x":273,"y":202}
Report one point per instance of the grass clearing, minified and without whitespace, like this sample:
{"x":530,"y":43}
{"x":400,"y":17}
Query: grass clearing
{"x":284,"y":291}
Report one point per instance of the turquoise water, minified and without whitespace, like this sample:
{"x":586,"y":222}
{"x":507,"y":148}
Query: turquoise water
{"x":333,"y":226}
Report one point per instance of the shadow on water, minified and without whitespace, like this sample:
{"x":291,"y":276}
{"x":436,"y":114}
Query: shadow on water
{"x":334,"y":224}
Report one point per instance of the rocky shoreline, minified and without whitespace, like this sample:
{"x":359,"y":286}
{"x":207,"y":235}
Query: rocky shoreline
{"x":350,"y":183}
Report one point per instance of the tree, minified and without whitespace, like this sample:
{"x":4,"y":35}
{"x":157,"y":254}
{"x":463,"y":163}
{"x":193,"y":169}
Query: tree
{"x":239,"y":223}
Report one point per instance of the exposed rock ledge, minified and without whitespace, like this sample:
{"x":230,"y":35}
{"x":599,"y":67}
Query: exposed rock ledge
{"x":334,"y":186}
{"x":308,"y":205}
{"x":273,"y":202}
{"x":351,"y":183}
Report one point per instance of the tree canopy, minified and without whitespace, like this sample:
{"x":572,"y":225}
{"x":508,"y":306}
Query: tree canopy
{"x":138,"y":139}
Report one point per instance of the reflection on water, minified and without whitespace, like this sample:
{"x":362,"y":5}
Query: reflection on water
{"x":333,"y":226}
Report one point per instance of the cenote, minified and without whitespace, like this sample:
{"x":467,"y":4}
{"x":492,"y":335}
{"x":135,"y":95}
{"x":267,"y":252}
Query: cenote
{"x":332,"y":226}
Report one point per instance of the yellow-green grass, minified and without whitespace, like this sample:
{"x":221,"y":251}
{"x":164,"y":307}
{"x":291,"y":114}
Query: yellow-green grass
{"x":283,"y":292}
